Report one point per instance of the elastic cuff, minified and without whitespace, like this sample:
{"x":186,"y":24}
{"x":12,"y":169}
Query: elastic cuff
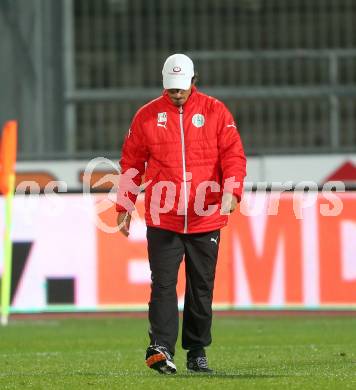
{"x":196,"y":352}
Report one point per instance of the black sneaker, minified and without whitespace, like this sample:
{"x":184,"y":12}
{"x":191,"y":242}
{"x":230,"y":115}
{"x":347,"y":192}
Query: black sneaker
{"x":198,"y":364}
{"x":158,"y":358}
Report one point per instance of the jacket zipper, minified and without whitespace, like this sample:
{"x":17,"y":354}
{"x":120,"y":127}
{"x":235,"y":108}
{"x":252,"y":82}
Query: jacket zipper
{"x":184,"y":170}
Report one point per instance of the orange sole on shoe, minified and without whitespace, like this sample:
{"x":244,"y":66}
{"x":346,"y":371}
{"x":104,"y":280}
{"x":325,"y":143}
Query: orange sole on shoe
{"x":157,"y":357}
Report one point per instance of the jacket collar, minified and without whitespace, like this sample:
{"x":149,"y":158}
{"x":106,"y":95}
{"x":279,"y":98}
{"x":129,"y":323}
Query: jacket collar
{"x":192,"y":97}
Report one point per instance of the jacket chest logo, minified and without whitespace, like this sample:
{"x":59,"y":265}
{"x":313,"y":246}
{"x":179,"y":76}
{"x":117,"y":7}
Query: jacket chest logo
{"x":198,"y":120}
{"x":162,"y":119}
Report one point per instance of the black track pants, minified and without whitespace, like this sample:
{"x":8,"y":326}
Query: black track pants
{"x":166,"y":250}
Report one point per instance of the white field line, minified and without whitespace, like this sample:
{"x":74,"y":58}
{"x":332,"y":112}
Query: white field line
{"x":58,"y":353}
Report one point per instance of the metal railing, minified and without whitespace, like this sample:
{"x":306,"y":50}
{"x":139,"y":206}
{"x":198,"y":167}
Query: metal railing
{"x":314,"y":117}
{"x":285,"y":99}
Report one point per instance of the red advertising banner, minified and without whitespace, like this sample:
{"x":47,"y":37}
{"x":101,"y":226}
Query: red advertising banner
{"x":297,"y":253}
{"x":278,"y":251}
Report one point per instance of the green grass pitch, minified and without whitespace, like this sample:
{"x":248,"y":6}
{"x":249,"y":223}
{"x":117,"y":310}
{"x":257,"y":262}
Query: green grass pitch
{"x":299,"y":352}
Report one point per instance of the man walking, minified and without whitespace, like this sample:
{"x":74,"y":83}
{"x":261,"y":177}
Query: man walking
{"x":187,"y":145}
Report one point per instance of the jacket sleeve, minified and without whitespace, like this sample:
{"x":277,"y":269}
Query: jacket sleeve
{"x":231,"y":153}
{"x":132,"y":163}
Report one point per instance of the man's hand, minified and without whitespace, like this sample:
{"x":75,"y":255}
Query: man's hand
{"x":234,"y":203}
{"x":123,"y":222}
{"x":228,"y":204}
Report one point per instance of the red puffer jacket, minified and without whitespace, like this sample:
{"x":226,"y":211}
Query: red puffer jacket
{"x":190,"y":151}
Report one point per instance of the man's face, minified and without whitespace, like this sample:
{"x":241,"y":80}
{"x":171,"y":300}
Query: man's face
{"x":179,"y":96}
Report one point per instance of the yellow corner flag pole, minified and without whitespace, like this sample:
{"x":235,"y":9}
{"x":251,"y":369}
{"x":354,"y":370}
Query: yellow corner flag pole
{"x":7,"y":266}
{"x":8,"y":147}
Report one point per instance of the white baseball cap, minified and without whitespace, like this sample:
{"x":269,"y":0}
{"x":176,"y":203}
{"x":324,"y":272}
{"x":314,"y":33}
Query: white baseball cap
{"x":177,"y":72}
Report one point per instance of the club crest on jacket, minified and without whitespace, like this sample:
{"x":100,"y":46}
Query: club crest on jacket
{"x":198,"y":120}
